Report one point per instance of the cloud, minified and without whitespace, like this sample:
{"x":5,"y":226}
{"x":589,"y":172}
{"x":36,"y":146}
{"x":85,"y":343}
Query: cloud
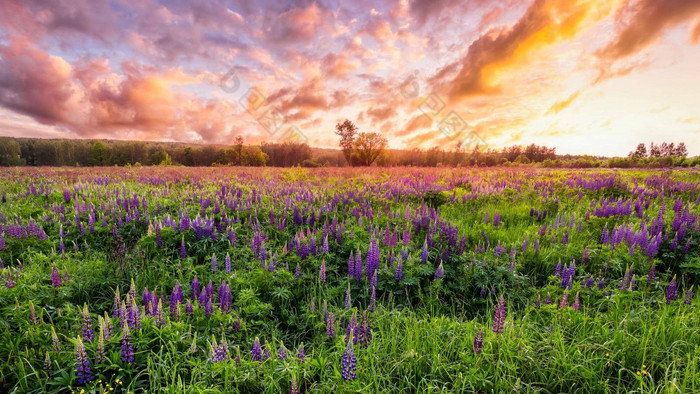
{"x":417,"y":122}
{"x":696,"y":33}
{"x":561,"y":105}
{"x":641,"y":22}
{"x":545,"y":22}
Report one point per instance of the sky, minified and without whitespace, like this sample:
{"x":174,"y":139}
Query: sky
{"x":585,"y":76}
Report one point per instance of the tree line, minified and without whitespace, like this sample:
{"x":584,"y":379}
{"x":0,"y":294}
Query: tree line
{"x":360,"y":149}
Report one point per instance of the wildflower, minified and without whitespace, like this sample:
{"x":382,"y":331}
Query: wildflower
{"x":227,"y":264}
{"x":107,"y":322}
{"x":88,"y":335}
{"x":282,"y":352}
{"x":424,"y":252}
{"x":439,"y":272}
{"x":349,"y":362}
{"x":297,"y":272}
{"x":33,"y":318}
{"x":322,"y":272}
{"x":577,"y":303}
{"x":348,"y":298}
{"x":256,"y":351}
{"x":183,"y":250}
{"x":478,"y":342}
{"x":214,"y":263}
{"x":538,"y":302}
{"x":116,"y":308}
{"x":189,"y":309}
{"x":82,"y":363}
{"x":398,"y":275}
{"x":294,"y":388}
{"x":688,"y":297}
{"x":55,"y":277}
{"x":47,"y":362}
{"x":9,"y":283}
{"x":351,"y":266}
{"x":652,"y":273}
{"x":127,"y":346}
{"x":301,"y":355}
{"x":101,"y":345}
{"x":237,"y":324}
{"x":564,"y":303}
{"x":499,"y":317}
{"x":364,"y":332}
{"x":671,"y":291}
{"x":548,"y":300}
{"x":54,"y":340}
{"x":330,"y":325}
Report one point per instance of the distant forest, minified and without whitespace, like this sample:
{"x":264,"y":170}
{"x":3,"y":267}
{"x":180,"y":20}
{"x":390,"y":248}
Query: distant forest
{"x":65,"y":152}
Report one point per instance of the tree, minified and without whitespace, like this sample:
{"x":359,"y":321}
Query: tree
{"x":160,"y":158}
{"x":10,"y":152}
{"x":238,"y":142}
{"x":640,"y":152}
{"x":98,"y":154}
{"x":347,"y":132}
{"x":367,"y":148}
{"x":681,"y":150}
{"x":654,"y":150}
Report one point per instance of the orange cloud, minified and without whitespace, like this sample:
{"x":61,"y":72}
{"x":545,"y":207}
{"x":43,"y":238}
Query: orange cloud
{"x":696,"y":33}
{"x":561,"y":105}
{"x":545,"y":22}
{"x":417,"y":122}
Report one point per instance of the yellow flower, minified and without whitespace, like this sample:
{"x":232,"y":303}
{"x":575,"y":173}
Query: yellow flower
{"x":607,"y":354}
{"x":639,"y":373}
{"x":643,"y":366}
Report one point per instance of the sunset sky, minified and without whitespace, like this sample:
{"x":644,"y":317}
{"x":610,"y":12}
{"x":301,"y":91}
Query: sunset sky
{"x":585,"y":76}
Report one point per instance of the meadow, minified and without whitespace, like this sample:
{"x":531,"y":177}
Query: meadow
{"x":349,"y":280}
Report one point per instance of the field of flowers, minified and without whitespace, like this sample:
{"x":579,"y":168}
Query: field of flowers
{"x":348,"y":280}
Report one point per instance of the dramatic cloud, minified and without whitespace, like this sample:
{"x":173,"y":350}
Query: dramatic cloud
{"x":184,"y":70}
{"x":641,"y":22}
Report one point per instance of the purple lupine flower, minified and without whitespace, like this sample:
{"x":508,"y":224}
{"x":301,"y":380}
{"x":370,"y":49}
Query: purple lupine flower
{"x":82,"y":363}
{"x":88,"y":334}
{"x":55,"y":277}
{"x":652,"y":273}
{"x":564,"y":303}
{"x":577,"y":303}
{"x":688,"y":297}
{"x":398,"y":275}
{"x":282,"y":352}
{"x":66,"y":277}
{"x":671,"y":291}
{"x":478,"y":342}
{"x":214,"y":263}
{"x":237,"y":324}
{"x":424,"y":253}
{"x":9,"y":282}
{"x":499,"y":317}
{"x":183,"y":250}
{"x":585,"y":254}
{"x":364,"y":331}
{"x":322,"y":272}
{"x":349,"y":362}
{"x":301,"y":355}
{"x":227,"y":264}
{"x":439,"y":272}
{"x":107,"y":322}
{"x":208,"y":307}
{"x":194,"y":288}
{"x":548,"y":300}
{"x":330,"y":326}
{"x":373,"y":296}
{"x":351,"y":265}
{"x":159,"y":315}
{"x":297,"y":272}
{"x":256,"y":351}
{"x":127,"y":346}
{"x":293,"y":387}
{"x":557,"y":270}
{"x":189,"y":309}
{"x":348,"y":298}
{"x":538,"y":303}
